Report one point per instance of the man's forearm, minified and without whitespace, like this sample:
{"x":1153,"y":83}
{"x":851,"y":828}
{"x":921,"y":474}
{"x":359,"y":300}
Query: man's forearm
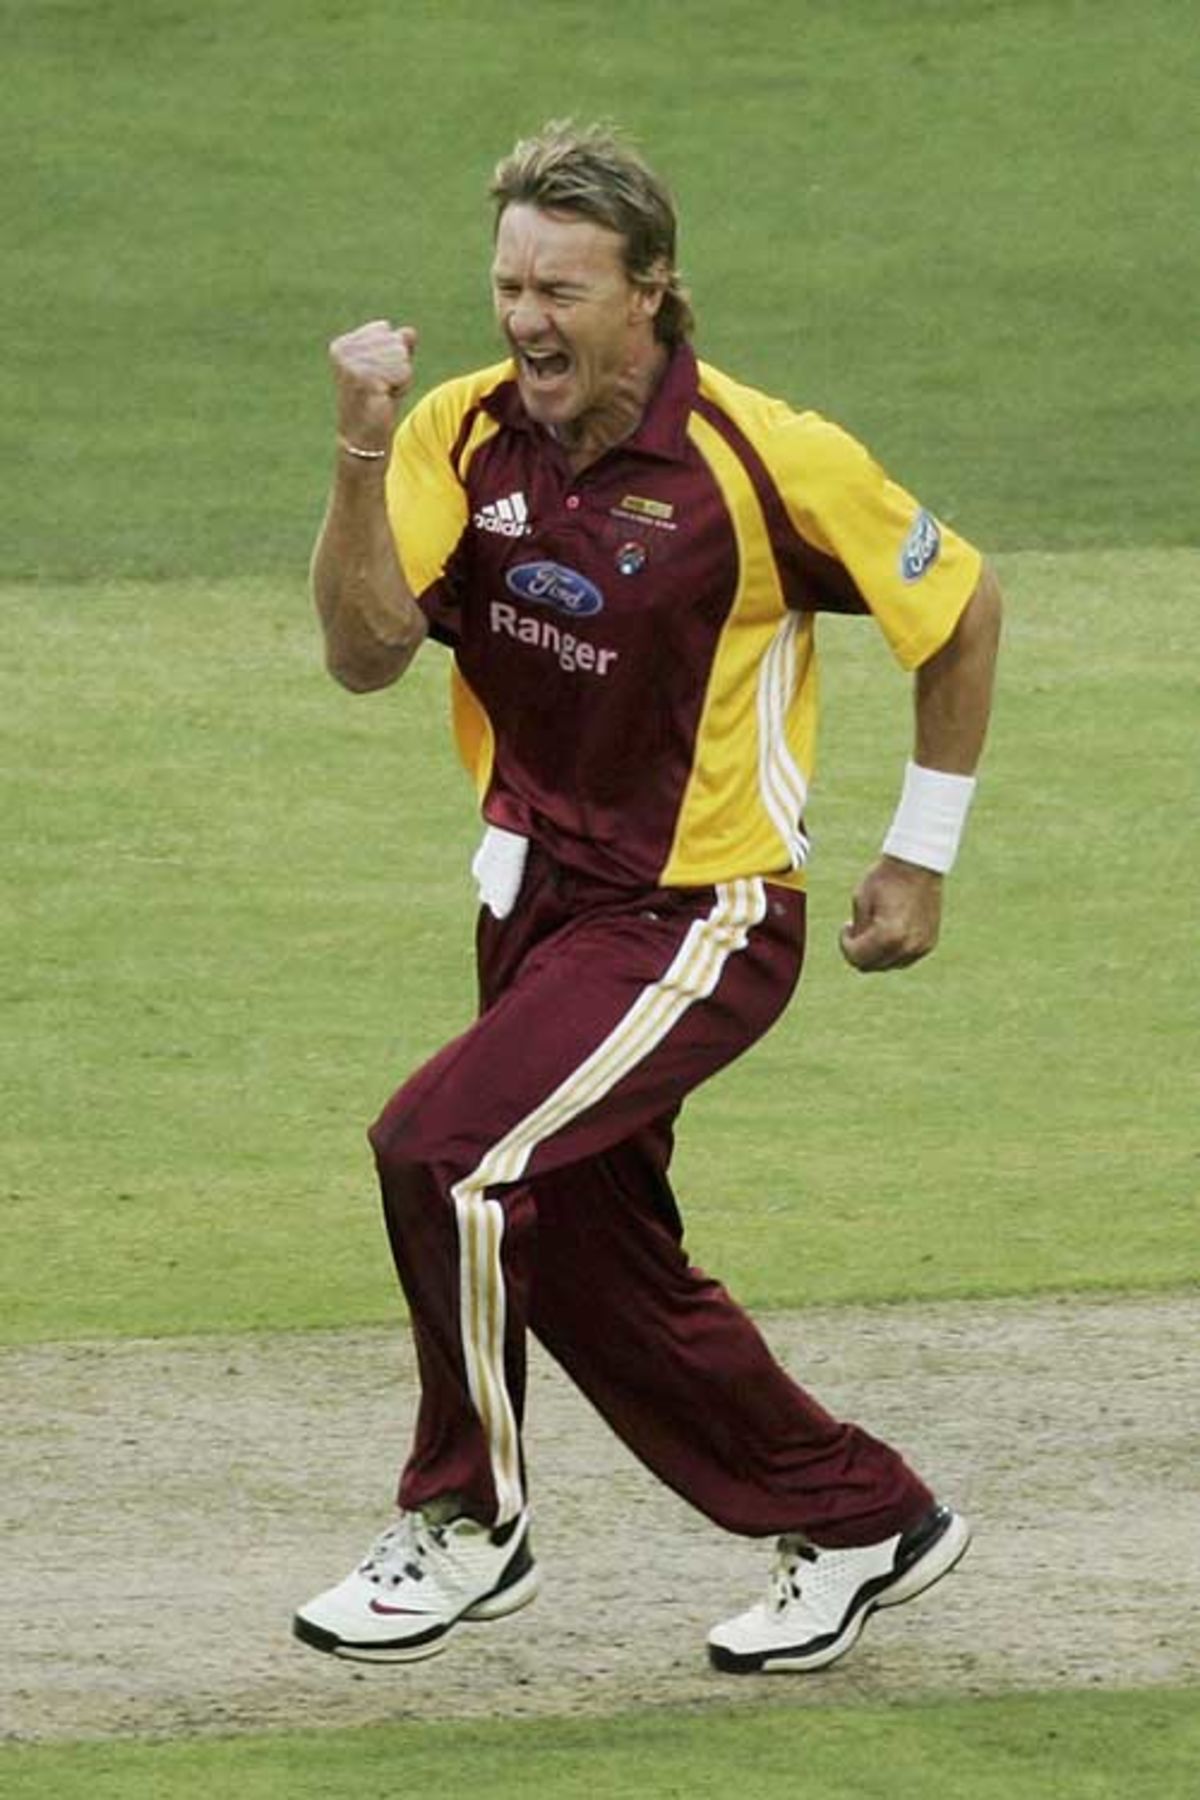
{"x":953,"y":699}
{"x":897,"y":907}
{"x":954,"y":688}
{"x":373,"y":627}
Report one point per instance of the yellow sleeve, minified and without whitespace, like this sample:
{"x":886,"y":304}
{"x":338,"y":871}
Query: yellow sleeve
{"x":427,"y":505}
{"x":912,"y":571}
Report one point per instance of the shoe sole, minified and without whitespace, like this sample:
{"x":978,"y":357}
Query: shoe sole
{"x":947,"y":1549}
{"x":497,"y":1605}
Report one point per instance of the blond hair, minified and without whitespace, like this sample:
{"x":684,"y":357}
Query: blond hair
{"x":591,"y":172}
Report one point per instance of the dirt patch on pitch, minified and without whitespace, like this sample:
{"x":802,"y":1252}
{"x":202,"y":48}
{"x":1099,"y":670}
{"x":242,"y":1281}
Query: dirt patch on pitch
{"x":166,"y":1503}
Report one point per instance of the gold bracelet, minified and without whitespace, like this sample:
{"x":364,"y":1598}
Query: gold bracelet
{"x":363,"y":455}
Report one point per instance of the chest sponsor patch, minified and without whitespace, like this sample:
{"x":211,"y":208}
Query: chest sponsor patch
{"x":553,"y":584}
{"x":649,"y":509}
{"x":636,"y":509}
{"x":920,"y":549}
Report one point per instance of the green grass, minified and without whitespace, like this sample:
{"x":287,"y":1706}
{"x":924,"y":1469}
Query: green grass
{"x":1034,"y":1747}
{"x":965,"y":229}
{"x":240,"y":912}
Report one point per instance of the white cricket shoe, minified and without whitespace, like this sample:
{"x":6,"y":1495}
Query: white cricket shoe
{"x":819,"y":1600}
{"x":418,"y":1581}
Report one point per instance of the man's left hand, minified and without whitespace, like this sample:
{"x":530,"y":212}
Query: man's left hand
{"x":897,"y":912}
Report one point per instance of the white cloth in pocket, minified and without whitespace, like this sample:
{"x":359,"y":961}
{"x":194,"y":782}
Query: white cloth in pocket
{"x":498,"y":868}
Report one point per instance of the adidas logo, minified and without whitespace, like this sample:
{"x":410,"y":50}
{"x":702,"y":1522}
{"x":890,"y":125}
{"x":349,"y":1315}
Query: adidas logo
{"x":509,"y":517}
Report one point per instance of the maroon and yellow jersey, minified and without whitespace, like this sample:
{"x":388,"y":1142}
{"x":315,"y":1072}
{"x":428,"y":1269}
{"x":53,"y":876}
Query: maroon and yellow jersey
{"x":634,"y":677}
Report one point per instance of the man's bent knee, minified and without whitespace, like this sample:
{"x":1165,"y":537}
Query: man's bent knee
{"x":406,"y":1139}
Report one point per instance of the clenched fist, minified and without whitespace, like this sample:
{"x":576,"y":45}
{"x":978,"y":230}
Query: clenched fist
{"x":372,"y":372}
{"x":897,"y":913}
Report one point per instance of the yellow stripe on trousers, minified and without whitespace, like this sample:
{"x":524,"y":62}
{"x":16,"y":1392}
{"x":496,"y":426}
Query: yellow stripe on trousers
{"x":693,"y":975}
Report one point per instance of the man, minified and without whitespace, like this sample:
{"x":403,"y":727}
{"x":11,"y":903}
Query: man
{"x":625,"y":549}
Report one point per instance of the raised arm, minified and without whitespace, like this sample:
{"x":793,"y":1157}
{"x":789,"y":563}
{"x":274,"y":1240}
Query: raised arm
{"x":897,"y":907}
{"x":373,"y":627}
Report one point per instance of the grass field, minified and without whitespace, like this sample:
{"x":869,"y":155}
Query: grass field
{"x":963,"y":228}
{"x":235,"y":899}
{"x":241,"y":920}
{"x":1034,"y":1748}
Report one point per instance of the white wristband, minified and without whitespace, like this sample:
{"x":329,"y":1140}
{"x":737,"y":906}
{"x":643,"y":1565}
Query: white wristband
{"x":930,"y":818}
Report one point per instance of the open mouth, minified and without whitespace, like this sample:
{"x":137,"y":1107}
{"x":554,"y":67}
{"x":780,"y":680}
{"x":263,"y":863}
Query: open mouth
{"x":543,"y":367}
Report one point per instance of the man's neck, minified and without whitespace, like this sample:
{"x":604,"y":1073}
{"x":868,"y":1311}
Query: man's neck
{"x":587,"y":439}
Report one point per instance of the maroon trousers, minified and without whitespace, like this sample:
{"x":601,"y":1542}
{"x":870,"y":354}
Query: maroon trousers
{"x":524,"y":1177}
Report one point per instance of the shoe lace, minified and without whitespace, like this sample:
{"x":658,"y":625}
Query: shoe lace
{"x":792,"y":1556}
{"x":402,"y":1552}
{"x":802,"y":1571}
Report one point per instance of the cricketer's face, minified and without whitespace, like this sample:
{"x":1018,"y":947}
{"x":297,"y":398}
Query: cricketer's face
{"x":579,"y":330}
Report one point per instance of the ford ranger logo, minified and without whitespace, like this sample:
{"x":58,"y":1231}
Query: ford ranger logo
{"x":552,"y":584}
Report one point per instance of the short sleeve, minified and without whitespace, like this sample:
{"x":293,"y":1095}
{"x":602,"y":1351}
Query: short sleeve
{"x":868,"y":539}
{"x":427,"y":510}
